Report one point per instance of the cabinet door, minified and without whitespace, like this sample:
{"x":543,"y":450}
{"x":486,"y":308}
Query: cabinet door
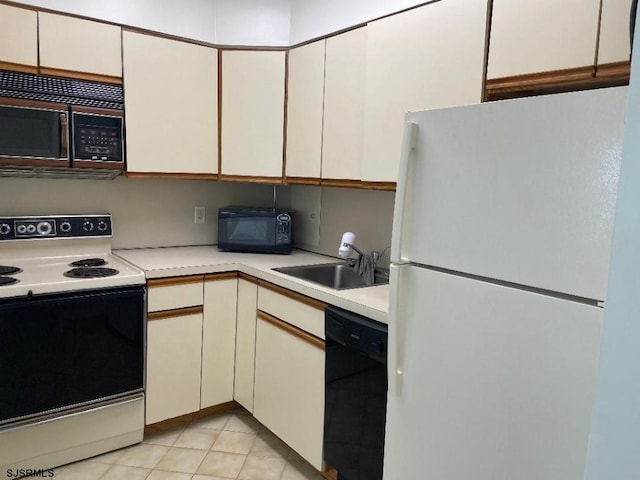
{"x":289,"y":386}
{"x":530,"y":37}
{"x":77,"y":45}
{"x":345,"y":72}
{"x":172,"y":105}
{"x":614,"y":43}
{"x":428,"y":57}
{"x":18,"y":36}
{"x":218,"y":339}
{"x":304,"y":110}
{"x":245,"y":343}
{"x":174,"y":346}
{"x":252,"y":113}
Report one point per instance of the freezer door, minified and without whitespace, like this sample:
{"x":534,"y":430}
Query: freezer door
{"x":497,"y":383}
{"x":520,"y":190}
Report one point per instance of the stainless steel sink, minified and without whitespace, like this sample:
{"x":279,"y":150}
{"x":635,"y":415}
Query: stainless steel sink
{"x":333,"y":275}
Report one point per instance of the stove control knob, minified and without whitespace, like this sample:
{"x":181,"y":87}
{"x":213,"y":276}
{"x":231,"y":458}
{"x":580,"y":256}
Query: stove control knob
{"x":65,"y":227}
{"x":102,"y":225}
{"x":22,"y":228}
{"x":31,"y":228}
{"x":44,"y":228}
{"x":87,"y":226}
{"x":4,"y":228}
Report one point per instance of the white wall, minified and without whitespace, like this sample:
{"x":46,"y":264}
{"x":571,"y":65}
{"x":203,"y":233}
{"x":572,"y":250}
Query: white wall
{"x":253,"y":22}
{"x":224,"y":22}
{"x":316,"y":18}
{"x":235,"y":22}
{"x":615,"y":427}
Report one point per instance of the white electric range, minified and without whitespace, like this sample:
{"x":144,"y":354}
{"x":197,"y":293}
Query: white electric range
{"x":72,"y":342}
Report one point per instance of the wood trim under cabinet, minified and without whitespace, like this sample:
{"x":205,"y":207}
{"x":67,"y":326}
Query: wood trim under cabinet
{"x":618,"y":72}
{"x":345,"y":183}
{"x":183,"y":420}
{"x":302,"y":181}
{"x":175,"y":176}
{"x":250,"y":179}
{"x":91,"y":77}
{"x":312,"y":302}
{"x":301,"y":334}
{"x":178,"y":312}
{"x":214,"y":277}
{"x":18,"y":67}
{"x":167,"y":281}
{"x":539,"y":83}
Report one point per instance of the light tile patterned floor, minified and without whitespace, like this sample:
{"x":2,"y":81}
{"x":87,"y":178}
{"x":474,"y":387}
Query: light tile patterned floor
{"x":227,"y":446}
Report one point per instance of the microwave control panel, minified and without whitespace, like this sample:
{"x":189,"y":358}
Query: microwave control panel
{"x":283,"y":229}
{"x":97,"y":138}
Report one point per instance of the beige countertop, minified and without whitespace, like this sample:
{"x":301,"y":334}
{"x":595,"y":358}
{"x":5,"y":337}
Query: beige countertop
{"x":372,"y":302}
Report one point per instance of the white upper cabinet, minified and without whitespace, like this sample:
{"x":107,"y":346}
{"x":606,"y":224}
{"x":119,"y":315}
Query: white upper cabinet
{"x":614,"y":32}
{"x":542,"y":36}
{"x":171,"y":99}
{"x":18,"y":36}
{"x":304,"y":110}
{"x":252,"y":112}
{"x":345,"y":74}
{"x":77,"y":45}
{"x":428,"y":57}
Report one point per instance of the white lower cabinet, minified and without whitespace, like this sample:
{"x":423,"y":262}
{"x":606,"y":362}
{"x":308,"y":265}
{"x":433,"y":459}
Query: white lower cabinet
{"x":245,"y":342}
{"x":289,"y":383}
{"x":218,"y":339}
{"x":174,"y":344}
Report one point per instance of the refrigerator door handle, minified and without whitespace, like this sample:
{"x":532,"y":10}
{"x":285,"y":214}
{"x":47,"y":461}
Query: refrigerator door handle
{"x":408,"y":145}
{"x":395,"y":359}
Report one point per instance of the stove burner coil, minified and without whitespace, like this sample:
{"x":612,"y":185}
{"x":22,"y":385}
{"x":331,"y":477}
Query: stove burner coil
{"x":89,"y":262}
{"x":6,"y":270}
{"x":7,"y":281}
{"x":90,"y":272}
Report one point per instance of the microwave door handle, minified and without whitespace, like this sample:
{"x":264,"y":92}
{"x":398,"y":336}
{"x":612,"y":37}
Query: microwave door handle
{"x":64,"y":136}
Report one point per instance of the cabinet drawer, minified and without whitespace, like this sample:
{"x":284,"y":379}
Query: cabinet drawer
{"x":303,"y":312}
{"x":175,"y":292}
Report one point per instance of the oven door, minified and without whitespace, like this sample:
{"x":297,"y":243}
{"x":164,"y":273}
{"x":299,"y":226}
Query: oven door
{"x":33,"y":133}
{"x":67,"y":350}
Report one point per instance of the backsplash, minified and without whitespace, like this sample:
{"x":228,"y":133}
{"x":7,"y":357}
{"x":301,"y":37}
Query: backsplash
{"x":146,"y":213}
{"x":159,"y":213}
{"x":367,"y":213}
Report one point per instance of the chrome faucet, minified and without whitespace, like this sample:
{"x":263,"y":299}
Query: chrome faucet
{"x":365,"y":265}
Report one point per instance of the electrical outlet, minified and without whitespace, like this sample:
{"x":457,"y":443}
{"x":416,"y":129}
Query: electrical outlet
{"x":199,"y":214}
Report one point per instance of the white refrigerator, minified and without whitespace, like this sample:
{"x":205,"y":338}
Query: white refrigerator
{"x":500,"y":250}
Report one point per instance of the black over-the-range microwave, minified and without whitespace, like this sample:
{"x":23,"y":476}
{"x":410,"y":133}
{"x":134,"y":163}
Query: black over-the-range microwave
{"x":47,"y":121}
{"x":253,"y":229}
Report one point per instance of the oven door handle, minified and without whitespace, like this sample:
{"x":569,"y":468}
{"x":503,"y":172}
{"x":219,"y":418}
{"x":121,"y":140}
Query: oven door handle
{"x":64,"y":135}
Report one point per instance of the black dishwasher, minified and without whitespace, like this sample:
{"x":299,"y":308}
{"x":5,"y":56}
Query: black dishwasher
{"x":356,"y":394}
